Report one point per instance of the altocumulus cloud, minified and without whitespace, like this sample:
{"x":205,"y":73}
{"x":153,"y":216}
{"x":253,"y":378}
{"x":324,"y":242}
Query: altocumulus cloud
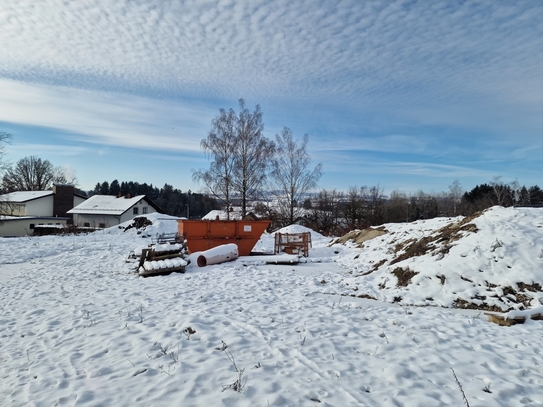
{"x":359,"y":52}
{"x":128,"y":67}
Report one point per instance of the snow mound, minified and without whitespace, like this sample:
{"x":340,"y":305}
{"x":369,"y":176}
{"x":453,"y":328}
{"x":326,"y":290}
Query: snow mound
{"x":492,"y":261}
{"x":316,"y":237}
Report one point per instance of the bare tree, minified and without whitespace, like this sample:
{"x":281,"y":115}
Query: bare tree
{"x":398,"y":207}
{"x":292,"y":174}
{"x":241,"y":157}
{"x":375,"y":205}
{"x":220,"y":143}
{"x":252,"y":156}
{"x":354,"y":207}
{"x":5,"y":138}
{"x":455,"y":194}
{"x":515,"y":192}
{"x":500,"y":191}
{"x":327,"y":213}
{"x":63,"y":175}
{"x":30,"y":174}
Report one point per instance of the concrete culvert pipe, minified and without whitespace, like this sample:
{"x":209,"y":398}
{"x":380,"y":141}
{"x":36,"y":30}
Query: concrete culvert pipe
{"x":219,"y":254}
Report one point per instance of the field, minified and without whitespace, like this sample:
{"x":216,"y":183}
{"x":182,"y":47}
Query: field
{"x":388,"y":321}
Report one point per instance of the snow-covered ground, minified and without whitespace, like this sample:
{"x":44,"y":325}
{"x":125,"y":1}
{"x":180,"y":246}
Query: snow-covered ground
{"x":78,"y":327}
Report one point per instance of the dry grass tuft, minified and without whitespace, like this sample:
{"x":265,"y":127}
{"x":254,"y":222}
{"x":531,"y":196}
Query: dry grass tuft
{"x":463,"y":304}
{"x":361,"y":236}
{"x":414,"y":248}
{"x":438,"y":243}
{"x":404,"y":276}
{"x":534,"y":287}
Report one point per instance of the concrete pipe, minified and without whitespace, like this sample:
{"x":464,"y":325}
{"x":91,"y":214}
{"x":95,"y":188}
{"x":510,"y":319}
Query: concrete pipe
{"x":219,"y":254}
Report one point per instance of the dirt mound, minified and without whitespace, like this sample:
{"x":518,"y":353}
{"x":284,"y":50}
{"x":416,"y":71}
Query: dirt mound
{"x":360,"y":236}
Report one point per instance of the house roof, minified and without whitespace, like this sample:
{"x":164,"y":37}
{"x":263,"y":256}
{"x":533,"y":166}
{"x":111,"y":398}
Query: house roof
{"x":109,"y":205}
{"x":214,"y":214}
{"x":24,"y":196}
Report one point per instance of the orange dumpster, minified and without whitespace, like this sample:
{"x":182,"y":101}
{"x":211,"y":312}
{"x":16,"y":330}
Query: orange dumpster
{"x":202,"y":235}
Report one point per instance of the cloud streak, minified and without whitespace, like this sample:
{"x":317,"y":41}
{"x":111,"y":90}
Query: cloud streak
{"x":104,"y":118}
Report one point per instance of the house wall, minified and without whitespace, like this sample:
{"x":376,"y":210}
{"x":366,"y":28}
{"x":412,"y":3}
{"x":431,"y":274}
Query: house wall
{"x":12,"y":209}
{"x":107,"y":221}
{"x":23,"y":226}
{"x":40,"y":207}
{"x":78,"y":200}
{"x":96,"y":221}
{"x":142,"y":207}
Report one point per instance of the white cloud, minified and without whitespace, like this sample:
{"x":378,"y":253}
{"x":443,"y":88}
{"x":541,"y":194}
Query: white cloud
{"x":105,"y":118}
{"x":393,"y":54}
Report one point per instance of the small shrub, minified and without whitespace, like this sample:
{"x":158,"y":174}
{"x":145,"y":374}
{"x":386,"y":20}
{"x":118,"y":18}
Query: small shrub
{"x":138,"y":223}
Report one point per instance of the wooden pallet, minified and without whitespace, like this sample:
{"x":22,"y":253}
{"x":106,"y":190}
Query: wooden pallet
{"x":293,"y":243}
{"x":150,"y":255}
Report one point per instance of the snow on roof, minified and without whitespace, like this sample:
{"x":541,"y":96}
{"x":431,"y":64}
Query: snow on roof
{"x":24,"y":196}
{"x":222,"y":215}
{"x":106,"y":205}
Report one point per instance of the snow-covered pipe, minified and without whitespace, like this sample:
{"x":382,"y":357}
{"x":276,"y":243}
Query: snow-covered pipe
{"x":219,"y":254}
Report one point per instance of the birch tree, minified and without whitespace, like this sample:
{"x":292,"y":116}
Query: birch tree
{"x":220,"y":144}
{"x":292,"y":173}
{"x":241,"y":156}
{"x":252,"y":156}
{"x":5,"y":138}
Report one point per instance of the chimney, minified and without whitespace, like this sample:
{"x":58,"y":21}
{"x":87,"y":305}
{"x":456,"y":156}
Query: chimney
{"x":63,"y":199}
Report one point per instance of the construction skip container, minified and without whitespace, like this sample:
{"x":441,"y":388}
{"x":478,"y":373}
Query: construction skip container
{"x":217,"y":255}
{"x":202,"y":235}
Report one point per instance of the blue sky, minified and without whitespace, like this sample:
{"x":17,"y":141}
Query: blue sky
{"x":408,"y":95}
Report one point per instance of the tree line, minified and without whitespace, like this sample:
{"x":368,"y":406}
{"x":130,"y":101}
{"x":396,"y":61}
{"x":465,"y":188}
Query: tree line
{"x":274,"y":179}
{"x":334,"y":212}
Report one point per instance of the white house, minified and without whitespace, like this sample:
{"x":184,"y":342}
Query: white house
{"x":104,"y":211}
{"x":21,"y":212}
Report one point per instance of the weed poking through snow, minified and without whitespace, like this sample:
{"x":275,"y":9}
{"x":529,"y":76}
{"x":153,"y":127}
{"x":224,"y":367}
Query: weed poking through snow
{"x":238,"y":385}
{"x":460,"y":387}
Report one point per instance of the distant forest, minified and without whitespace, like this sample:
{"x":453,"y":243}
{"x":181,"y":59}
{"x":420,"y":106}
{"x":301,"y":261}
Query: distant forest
{"x":334,"y":212}
{"x":172,"y":201}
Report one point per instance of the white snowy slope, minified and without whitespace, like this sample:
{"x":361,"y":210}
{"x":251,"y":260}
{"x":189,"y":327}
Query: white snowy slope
{"x":78,"y":327}
{"x":492,"y":261}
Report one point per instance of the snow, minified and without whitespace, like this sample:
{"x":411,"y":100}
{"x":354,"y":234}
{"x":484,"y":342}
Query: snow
{"x":24,"y":196}
{"x":78,"y":327}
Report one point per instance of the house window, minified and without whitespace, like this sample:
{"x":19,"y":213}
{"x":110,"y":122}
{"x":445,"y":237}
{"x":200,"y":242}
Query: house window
{"x":32,"y":225}
{"x":102,"y":225}
{"x":86,"y":224}
{"x":144,"y":210}
{"x":135,"y":210}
